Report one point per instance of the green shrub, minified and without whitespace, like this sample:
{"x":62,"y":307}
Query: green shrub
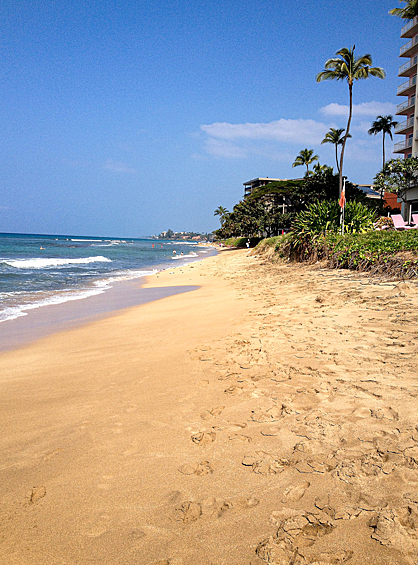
{"x":240,"y":241}
{"x":312,"y":226}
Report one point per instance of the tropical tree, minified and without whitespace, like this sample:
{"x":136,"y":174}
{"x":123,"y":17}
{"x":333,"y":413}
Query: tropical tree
{"x":408,"y":12}
{"x":305,"y":157}
{"x":222,"y":213}
{"x":336,"y":137}
{"x":383,"y":124}
{"x":398,"y":176}
{"x":346,"y":66}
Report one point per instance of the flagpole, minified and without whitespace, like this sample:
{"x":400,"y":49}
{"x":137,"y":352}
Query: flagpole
{"x":342,"y":206}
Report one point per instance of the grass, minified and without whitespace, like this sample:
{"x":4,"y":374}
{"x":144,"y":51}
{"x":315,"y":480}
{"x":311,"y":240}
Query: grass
{"x":239,"y":242}
{"x":385,"y":253}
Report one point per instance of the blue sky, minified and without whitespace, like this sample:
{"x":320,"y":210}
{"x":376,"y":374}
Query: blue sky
{"x":128,"y":118}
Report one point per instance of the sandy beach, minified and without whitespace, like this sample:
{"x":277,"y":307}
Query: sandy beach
{"x":270,"y":416}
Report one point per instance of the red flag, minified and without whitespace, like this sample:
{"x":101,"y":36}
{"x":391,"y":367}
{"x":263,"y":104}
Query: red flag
{"x":341,"y":201}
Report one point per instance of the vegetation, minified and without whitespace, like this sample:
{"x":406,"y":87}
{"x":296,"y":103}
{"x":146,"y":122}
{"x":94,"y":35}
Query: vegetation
{"x":305,"y":157}
{"x":398,"y":176}
{"x":408,"y":12}
{"x":273,"y":208}
{"x":383,"y":124}
{"x":222,"y":213}
{"x":388,"y":253}
{"x":241,"y":242}
{"x":345,"y":66}
{"x":336,"y":137}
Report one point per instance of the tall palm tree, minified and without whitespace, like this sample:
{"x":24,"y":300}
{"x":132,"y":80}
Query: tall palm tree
{"x":305,"y":157}
{"x":345,"y":66}
{"x":408,"y":12}
{"x":335,"y":136}
{"x":383,"y":124}
{"x":221,"y":212}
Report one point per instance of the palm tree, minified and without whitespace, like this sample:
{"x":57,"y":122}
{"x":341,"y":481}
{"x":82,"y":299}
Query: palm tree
{"x":383,"y":124}
{"x":345,"y":66}
{"x":305,"y":157}
{"x":407,"y":13}
{"x":318,"y":168}
{"x":335,"y":136}
{"x":221,"y":212}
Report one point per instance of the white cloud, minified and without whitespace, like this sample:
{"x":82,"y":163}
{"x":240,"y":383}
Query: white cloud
{"x":289,"y":131}
{"x":363,"y":109}
{"x":118,"y":167}
{"x":222,"y":148}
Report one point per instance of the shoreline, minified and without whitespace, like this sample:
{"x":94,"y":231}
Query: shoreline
{"x":47,"y":319}
{"x":267,"y":417}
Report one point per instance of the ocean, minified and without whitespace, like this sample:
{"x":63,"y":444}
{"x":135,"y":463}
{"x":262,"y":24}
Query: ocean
{"x":39,"y":270}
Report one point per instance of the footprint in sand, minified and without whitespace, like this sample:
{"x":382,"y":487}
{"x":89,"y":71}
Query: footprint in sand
{"x":99,"y":528}
{"x":295,"y":493}
{"x":241,"y":437}
{"x":218,"y":506}
{"x":216,"y":411}
{"x":36,"y":494}
{"x":204,"y":438}
{"x":189,"y":512}
{"x":233,"y":390}
{"x":202,"y":468}
{"x":384,"y":413}
{"x":265,"y":464}
{"x":51,"y":454}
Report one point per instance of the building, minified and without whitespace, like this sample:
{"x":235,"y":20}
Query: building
{"x":408,"y":123}
{"x":251,"y":185}
{"x":408,"y":126}
{"x":276,"y":200}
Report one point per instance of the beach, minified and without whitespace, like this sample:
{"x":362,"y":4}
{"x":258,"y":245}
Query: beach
{"x":267,"y":416}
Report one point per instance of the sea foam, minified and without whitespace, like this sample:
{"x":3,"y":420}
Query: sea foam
{"x":40,"y":263}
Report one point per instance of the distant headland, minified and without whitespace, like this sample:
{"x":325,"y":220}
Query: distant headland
{"x":184,"y":235}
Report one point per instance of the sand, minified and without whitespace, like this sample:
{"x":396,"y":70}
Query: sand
{"x":267,"y":417}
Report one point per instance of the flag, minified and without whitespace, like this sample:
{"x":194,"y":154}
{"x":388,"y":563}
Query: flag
{"x":341,"y":201}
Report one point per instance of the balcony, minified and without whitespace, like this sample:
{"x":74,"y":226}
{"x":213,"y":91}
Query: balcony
{"x":407,"y":49}
{"x":403,"y":145}
{"x":407,"y":30}
{"x":407,"y":87}
{"x":408,"y":68}
{"x":406,"y":106}
{"x":404,"y":126}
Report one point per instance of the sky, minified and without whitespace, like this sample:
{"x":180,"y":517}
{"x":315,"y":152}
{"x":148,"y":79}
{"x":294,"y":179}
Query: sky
{"x":126,"y":118}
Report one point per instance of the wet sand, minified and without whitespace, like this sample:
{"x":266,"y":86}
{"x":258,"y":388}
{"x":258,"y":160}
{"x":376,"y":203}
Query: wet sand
{"x":267,"y":417}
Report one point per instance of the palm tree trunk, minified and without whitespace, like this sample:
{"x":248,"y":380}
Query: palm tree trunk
{"x":336,"y":157}
{"x":340,"y":188}
{"x":307,"y":170}
{"x":381,"y":193}
{"x":384,"y":149}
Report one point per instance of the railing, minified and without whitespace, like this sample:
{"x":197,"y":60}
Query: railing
{"x":405,"y":105}
{"x":409,"y":123}
{"x":408,"y":45}
{"x":409,"y":25}
{"x":405,"y":144}
{"x":408,"y":64}
{"x":407,"y":84}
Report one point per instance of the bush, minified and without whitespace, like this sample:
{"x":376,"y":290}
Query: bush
{"x":308,"y":239}
{"x":240,"y":242}
{"x":384,"y":223}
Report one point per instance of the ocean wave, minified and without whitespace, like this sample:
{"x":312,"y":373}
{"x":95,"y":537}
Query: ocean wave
{"x":13,"y":312}
{"x":185,"y":256}
{"x":39,"y":263}
{"x":59,"y":297}
{"x":86,"y":240}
